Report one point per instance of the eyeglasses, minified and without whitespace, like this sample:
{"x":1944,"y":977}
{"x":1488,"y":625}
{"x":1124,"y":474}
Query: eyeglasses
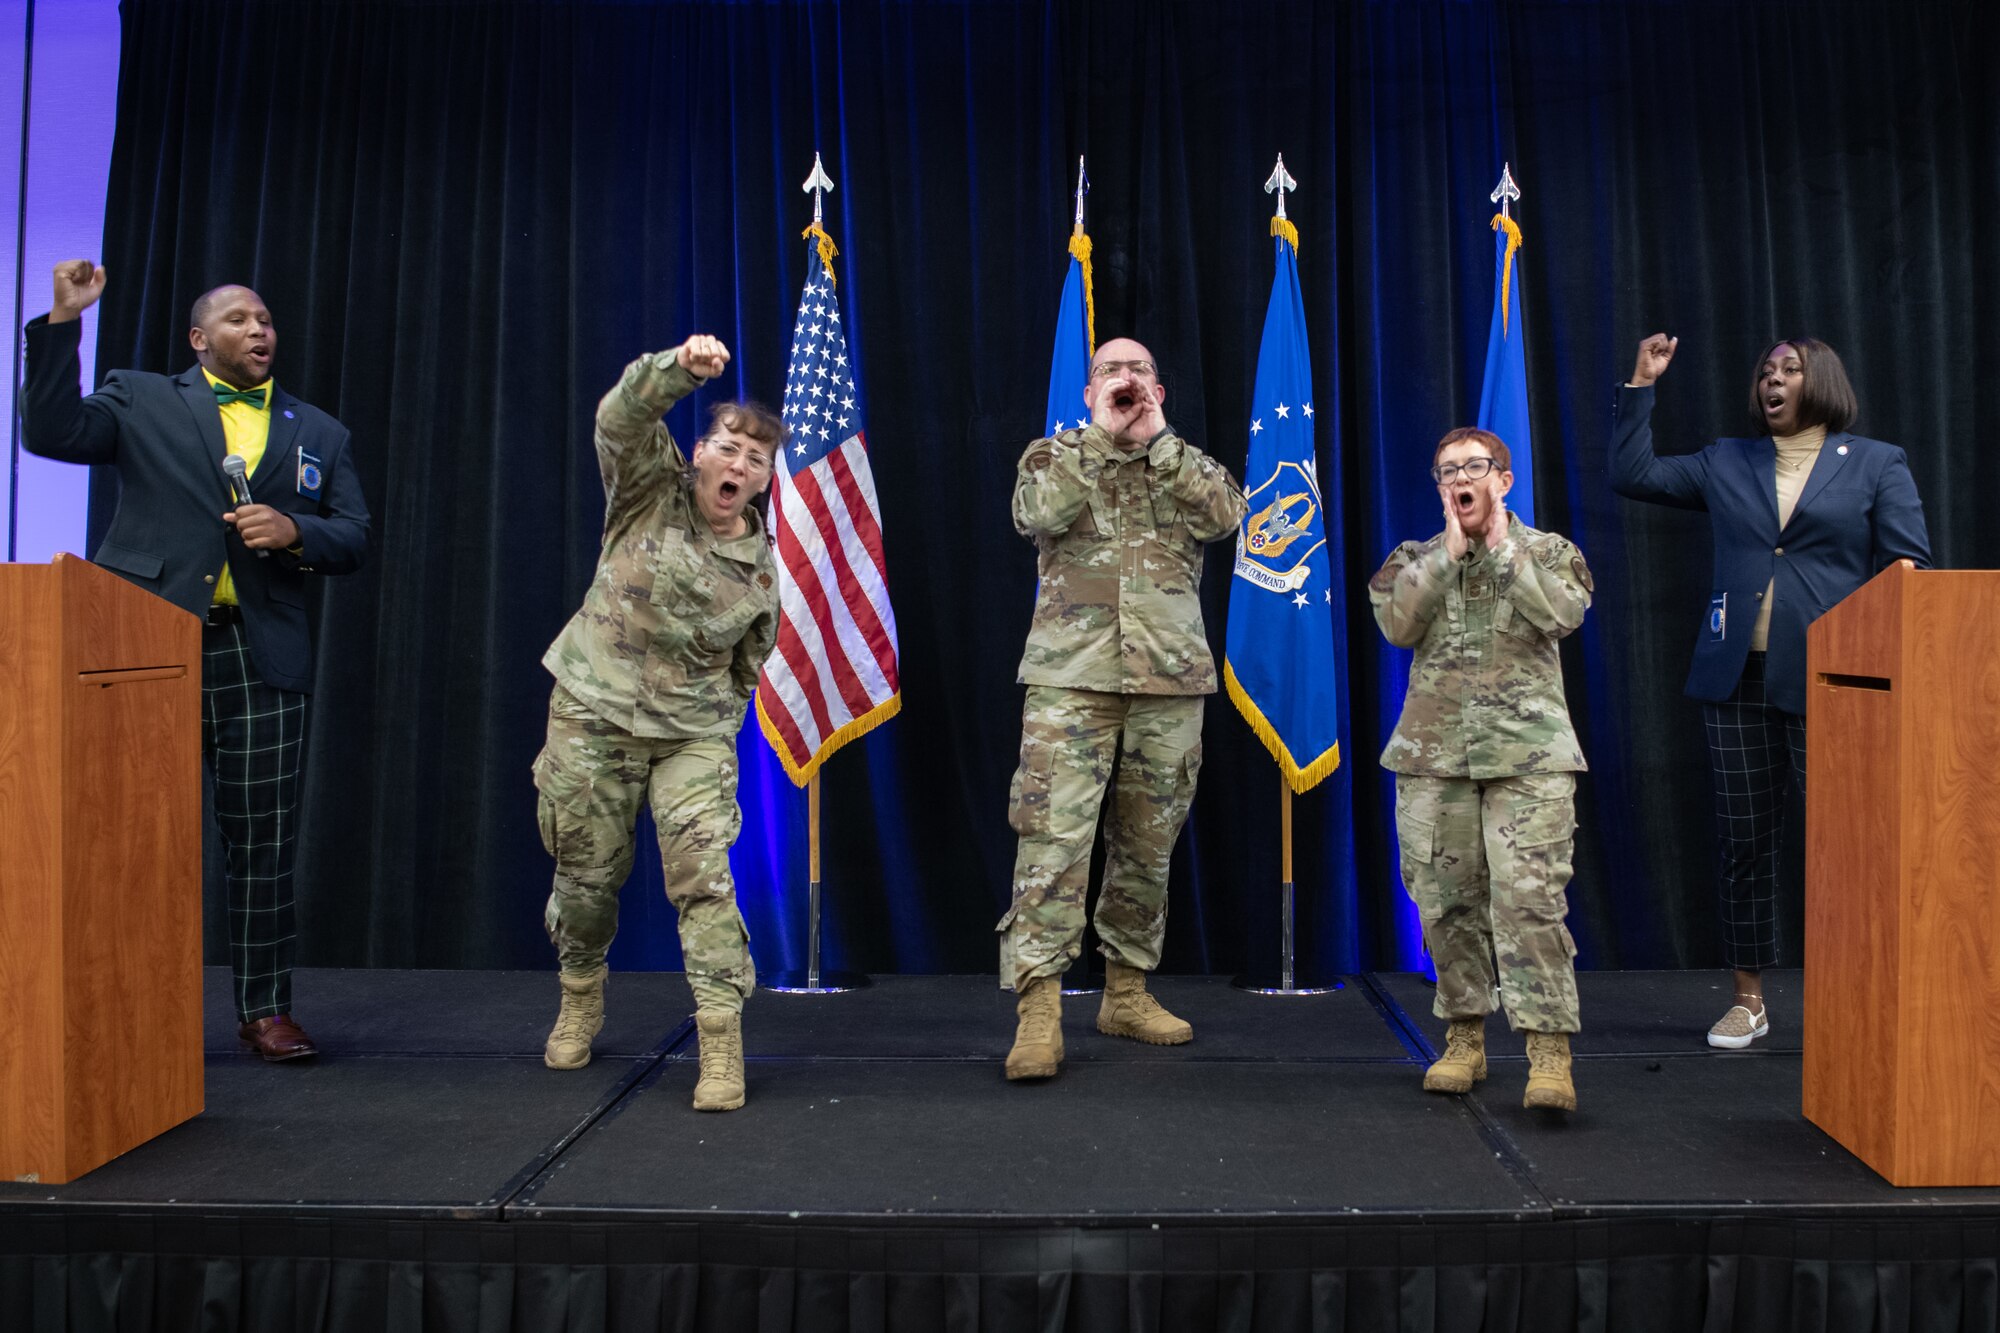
{"x":1106,"y":369}
{"x":1473,"y":469}
{"x":728,"y":451}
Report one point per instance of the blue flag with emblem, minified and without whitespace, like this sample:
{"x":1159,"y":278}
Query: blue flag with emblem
{"x":1279,"y":665}
{"x":1076,"y":331}
{"x":1503,"y":400}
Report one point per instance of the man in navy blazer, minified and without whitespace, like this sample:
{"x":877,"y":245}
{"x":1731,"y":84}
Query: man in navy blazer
{"x":1801,"y":517}
{"x":235,"y":554}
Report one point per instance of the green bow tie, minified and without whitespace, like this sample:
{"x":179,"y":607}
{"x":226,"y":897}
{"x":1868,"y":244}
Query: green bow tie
{"x":224,"y":396}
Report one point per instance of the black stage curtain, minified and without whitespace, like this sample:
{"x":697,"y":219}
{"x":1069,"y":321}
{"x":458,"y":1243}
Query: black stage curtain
{"x":1658,"y":1275}
{"x":467,"y":217}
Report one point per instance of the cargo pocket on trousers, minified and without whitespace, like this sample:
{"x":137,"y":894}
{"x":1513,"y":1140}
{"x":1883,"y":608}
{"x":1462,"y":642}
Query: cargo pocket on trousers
{"x":1542,"y":842}
{"x":1416,"y":841}
{"x":1029,"y":793}
{"x":1190,"y":774}
{"x":557,"y":790}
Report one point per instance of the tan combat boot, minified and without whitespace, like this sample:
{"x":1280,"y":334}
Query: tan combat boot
{"x":1038,"y":1043}
{"x":721,"y":1087}
{"x":580,"y":1018}
{"x":1549,"y":1085}
{"x":1464,"y":1060}
{"x":1128,"y":1011}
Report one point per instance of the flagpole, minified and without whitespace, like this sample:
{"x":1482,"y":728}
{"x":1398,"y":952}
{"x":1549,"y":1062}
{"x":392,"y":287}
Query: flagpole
{"x":812,"y":981}
{"x":1286,"y":982}
{"x":812,"y":882}
{"x":1289,"y":892}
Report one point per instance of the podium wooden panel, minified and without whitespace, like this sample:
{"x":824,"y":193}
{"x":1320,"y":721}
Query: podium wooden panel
{"x":100,"y":837}
{"x":1902,"y":978}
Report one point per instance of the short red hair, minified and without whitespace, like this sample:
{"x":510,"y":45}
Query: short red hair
{"x":1503,"y":458}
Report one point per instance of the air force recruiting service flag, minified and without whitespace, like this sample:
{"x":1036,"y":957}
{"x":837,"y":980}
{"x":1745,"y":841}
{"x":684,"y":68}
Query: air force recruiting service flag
{"x":1279,"y":664}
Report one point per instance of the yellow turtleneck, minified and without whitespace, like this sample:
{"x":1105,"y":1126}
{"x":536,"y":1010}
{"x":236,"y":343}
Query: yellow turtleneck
{"x":1796,"y":455}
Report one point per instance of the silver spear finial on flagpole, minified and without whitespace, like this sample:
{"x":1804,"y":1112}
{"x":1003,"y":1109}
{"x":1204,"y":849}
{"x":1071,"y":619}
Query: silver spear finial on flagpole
{"x":1082,"y":189}
{"x":1506,"y":192}
{"x":1280,"y":181}
{"x":816,"y":185}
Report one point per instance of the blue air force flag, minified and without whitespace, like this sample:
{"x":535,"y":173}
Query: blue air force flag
{"x":1069,"y":366}
{"x":1279,"y":665}
{"x":1503,"y":401}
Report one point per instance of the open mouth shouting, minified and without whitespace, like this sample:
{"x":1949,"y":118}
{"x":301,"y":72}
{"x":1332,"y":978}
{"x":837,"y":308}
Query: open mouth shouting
{"x":1780,"y":412}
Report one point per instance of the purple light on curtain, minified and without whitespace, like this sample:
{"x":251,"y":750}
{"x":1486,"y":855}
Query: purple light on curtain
{"x":73,"y":68}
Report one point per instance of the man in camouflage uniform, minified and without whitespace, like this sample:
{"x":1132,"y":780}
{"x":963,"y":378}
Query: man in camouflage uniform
{"x":652,"y":676}
{"x":1116,"y":667}
{"x":1486,"y":764}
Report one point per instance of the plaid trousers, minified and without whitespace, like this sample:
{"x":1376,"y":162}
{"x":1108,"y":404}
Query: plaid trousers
{"x":251,"y":738}
{"x":1752,"y":748}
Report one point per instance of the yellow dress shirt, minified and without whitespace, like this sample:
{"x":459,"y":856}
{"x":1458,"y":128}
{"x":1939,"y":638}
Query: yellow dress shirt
{"x":245,"y":431}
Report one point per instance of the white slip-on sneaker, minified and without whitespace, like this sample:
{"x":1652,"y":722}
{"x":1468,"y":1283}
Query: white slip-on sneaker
{"x":1739,"y":1027}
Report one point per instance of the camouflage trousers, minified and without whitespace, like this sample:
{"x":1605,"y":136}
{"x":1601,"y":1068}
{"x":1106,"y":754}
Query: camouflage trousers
{"x":1072,"y":742}
{"x":1486,"y":864}
{"x":592,"y":776}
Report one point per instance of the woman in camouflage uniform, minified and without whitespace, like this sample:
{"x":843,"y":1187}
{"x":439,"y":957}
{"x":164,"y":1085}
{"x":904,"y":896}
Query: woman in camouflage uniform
{"x":652,"y":677}
{"x":1486,"y":762}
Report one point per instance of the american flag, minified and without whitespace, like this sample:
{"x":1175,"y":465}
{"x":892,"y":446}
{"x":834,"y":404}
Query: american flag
{"x":833,"y":675}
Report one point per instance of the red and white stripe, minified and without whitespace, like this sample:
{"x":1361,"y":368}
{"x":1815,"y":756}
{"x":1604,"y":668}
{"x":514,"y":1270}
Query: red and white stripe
{"x":833,"y":674}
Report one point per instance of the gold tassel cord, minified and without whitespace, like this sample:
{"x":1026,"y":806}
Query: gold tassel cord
{"x":1283,"y":227}
{"x":827,"y":250}
{"x":1513,"y":230}
{"x":1079,"y":248}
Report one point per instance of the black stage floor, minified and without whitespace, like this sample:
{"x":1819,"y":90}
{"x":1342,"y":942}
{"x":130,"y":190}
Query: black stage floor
{"x":1289,"y":1153}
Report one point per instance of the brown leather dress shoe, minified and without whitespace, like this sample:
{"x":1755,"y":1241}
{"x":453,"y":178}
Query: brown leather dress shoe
{"x":277,"y":1038}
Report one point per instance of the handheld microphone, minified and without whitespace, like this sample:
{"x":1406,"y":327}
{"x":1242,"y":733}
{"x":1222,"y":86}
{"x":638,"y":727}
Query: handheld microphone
{"x":239,"y":486}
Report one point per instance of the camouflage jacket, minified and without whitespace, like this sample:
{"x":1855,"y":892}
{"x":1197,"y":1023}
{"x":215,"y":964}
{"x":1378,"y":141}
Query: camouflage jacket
{"x":1486,"y":688}
{"x":1119,"y":536}
{"x":677,"y":622}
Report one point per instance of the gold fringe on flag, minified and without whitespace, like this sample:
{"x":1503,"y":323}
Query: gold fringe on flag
{"x":801,"y":774}
{"x":1298,"y":777}
{"x":1513,"y":229}
{"x":827,"y":250}
{"x":1079,"y":247}
{"x":1283,"y":227}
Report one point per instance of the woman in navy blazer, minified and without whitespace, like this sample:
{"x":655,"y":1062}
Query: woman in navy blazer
{"x":1802,"y":516}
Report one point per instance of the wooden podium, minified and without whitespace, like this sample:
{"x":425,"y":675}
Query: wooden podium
{"x":100,"y":895}
{"x":1902,"y":978}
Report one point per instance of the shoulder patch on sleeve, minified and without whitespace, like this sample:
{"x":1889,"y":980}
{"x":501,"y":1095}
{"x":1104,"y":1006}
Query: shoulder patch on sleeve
{"x":1038,"y":457}
{"x":1551,"y":551}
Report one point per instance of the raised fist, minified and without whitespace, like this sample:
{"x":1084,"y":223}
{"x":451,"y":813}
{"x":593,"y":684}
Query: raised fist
{"x":1655,"y":353}
{"x":78,"y":285}
{"x":703,"y":356}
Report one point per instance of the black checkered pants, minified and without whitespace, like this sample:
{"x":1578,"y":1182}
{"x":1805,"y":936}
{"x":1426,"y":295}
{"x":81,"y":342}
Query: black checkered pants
{"x":251,"y":737}
{"x":1753,"y":748}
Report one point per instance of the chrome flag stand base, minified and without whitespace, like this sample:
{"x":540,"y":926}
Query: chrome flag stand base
{"x":1285,"y":981}
{"x":812,"y":981}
